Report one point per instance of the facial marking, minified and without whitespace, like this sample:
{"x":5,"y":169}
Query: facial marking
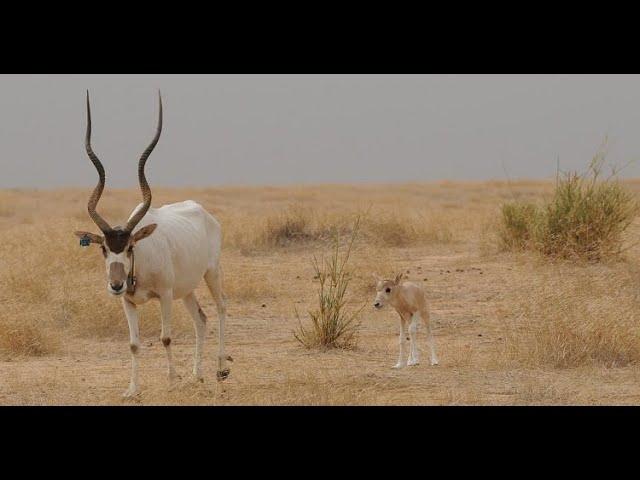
{"x":117,"y":265}
{"x":117,"y":275}
{"x":117,"y":240}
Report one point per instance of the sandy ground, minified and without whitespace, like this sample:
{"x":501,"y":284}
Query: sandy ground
{"x":468,"y":293}
{"x":271,"y":368}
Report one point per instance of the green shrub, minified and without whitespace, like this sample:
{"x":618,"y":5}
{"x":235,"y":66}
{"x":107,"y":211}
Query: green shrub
{"x":520,"y":223}
{"x":585,"y":218}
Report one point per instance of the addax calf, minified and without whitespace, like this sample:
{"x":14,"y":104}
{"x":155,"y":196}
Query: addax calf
{"x":408,"y":299}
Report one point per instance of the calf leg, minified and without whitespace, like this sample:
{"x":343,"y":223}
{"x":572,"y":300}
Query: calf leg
{"x":199,"y":323}
{"x":131,"y":311}
{"x":403,"y":336}
{"x":427,"y":323}
{"x":414,"y":355}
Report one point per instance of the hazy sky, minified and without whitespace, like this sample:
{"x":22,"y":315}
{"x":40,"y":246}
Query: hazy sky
{"x":279,"y":129}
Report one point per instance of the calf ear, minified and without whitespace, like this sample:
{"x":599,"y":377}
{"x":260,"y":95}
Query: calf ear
{"x":93,"y":238}
{"x":144,"y":232}
{"x":398,"y":278}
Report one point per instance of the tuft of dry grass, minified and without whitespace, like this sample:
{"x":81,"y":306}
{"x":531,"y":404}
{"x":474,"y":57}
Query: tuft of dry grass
{"x":404,"y":228}
{"x":295,"y":224}
{"x":22,"y":333}
{"x":331,"y":325}
{"x":25,"y":339}
{"x":565,"y":319}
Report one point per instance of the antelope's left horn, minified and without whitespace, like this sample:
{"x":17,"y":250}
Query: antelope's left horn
{"x":142,"y":179}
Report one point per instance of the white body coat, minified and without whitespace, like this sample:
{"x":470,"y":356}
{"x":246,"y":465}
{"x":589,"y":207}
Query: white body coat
{"x":169,"y":264}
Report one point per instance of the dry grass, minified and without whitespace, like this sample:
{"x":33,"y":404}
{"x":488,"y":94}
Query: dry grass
{"x":331,"y":325}
{"x":575,"y":319}
{"x":510,"y":328}
{"x":406,"y":227}
{"x":24,"y":335}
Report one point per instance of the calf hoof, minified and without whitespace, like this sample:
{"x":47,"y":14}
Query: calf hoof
{"x":222,"y":374}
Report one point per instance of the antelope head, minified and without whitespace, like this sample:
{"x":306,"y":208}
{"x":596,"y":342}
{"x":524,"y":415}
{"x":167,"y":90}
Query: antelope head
{"x":117,"y":243}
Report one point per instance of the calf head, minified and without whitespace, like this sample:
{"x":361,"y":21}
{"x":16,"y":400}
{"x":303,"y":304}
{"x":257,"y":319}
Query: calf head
{"x":386,"y":291}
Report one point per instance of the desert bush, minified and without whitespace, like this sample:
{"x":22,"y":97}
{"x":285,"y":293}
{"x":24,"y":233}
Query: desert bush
{"x":331,"y":325}
{"x":401,"y":228}
{"x":585,"y":218}
{"x":520,"y":225}
{"x":569,"y":319}
{"x":291,"y":225}
{"x":295,"y":224}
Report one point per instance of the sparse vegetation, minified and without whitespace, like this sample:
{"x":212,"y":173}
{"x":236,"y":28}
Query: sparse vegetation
{"x":405,"y":228}
{"x":584,"y":219}
{"x":521,"y":222}
{"x":331,"y":325}
{"x":25,"y":337}
{"x":568,"y":320}
{"x":510,"y":329}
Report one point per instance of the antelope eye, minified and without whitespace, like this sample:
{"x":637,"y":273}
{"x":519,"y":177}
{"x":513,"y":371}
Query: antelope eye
{"x":388,"y":290}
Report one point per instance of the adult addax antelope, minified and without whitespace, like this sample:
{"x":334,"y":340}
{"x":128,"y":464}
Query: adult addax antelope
{"x":181,"y":246}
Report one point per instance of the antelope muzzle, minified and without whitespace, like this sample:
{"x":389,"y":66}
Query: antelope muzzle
{"x":117,"y":279}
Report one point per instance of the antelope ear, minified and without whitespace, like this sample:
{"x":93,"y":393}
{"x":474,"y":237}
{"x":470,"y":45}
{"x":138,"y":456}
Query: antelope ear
{"x":93,"y":238}
{"x":144,"y":232}
{"x":398,"y":278}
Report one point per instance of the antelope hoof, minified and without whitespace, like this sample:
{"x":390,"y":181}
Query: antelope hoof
{"x":411,"y":363}
{"x":398,"y":366}
{"x":434,"y":363}
{"x":131,"y":392}
{"x":222,"y":374}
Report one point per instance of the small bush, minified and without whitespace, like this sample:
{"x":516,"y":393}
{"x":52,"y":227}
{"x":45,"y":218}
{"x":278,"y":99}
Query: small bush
{"x":290,"y":226}
{"x":331,"y":325}
{"x":520,"y":224}
{"x":401,"y":229}
{"x":585,"y":218}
